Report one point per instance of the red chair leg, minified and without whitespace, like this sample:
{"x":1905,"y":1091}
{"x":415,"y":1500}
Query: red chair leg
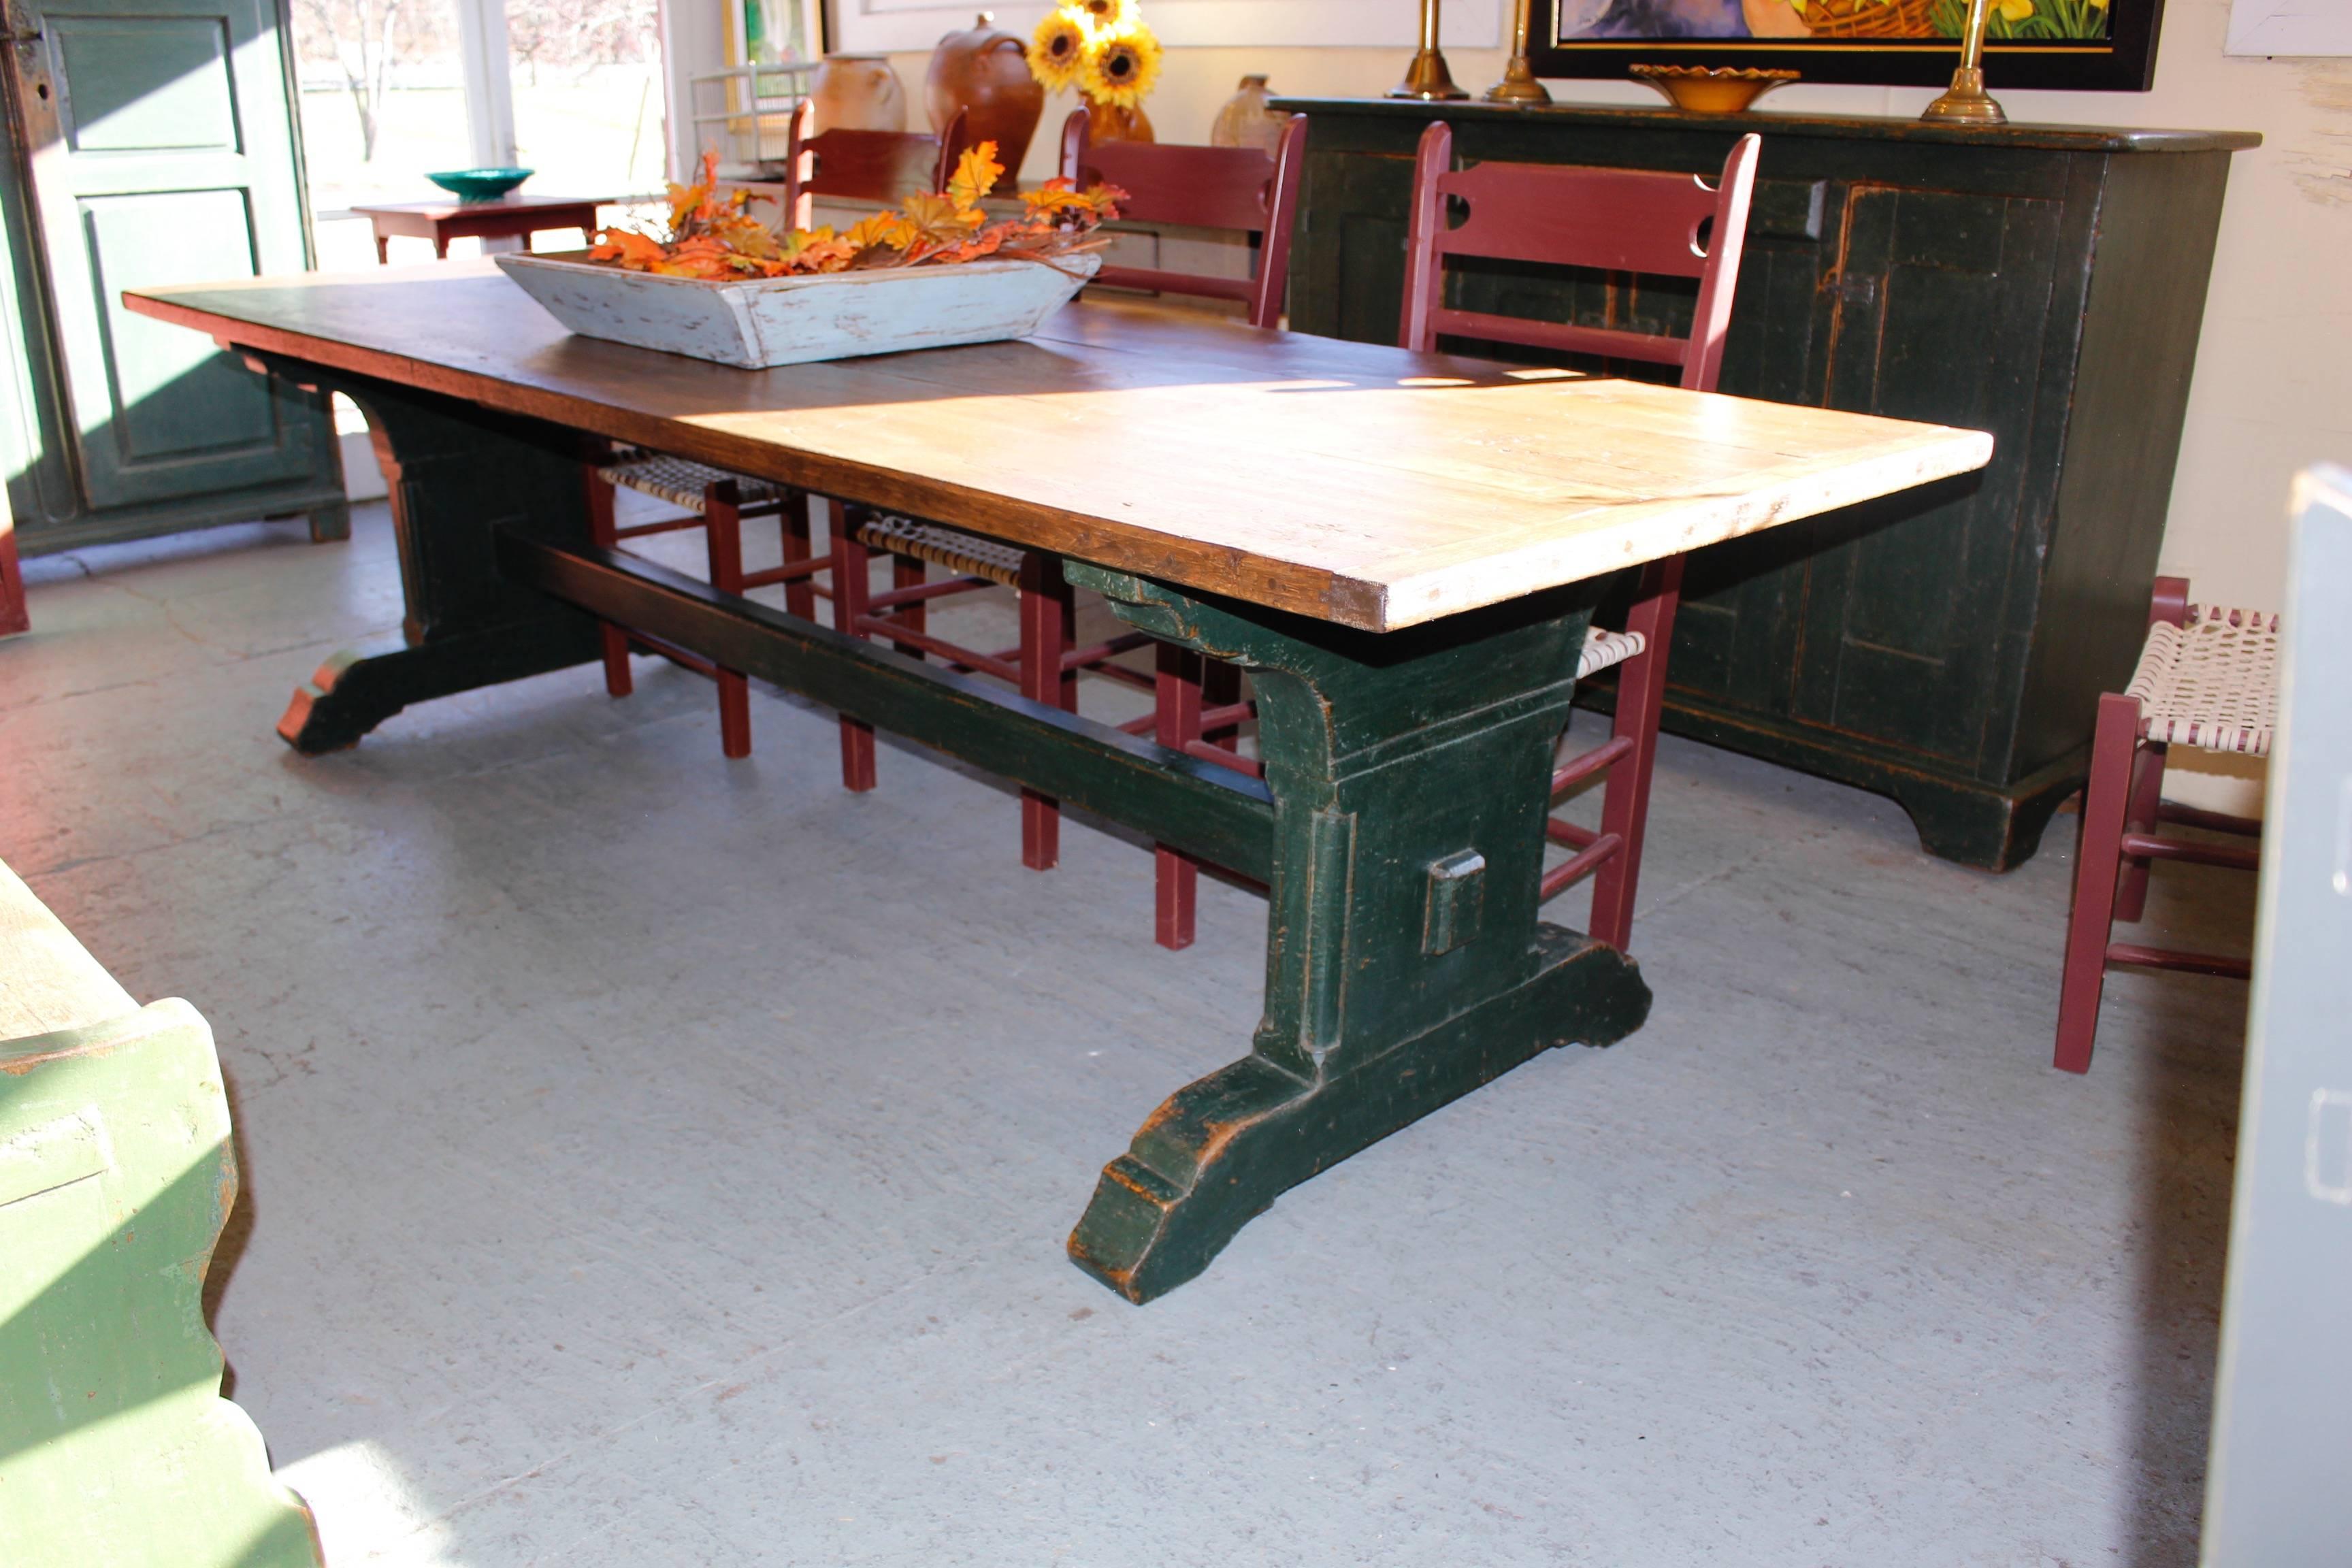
{"x":604,"y":534}
{"x":2147,"y":796}
{"x":850,"y":588}
{"x":722,"y":516}
{"x":1175,"y":876}
{"x":907,"y":573}
{"x":1625,"y":804}
{"x":13,"y":615}
{"x":800,"y":594}
{"x":1046,"y":612}
{"x":2106,"y":801}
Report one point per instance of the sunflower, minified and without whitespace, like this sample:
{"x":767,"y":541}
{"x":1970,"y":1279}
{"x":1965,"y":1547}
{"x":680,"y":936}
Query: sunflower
{"x":1102,"y":15}
{"x":1121,"y":66}
{"x":1057,"y":51}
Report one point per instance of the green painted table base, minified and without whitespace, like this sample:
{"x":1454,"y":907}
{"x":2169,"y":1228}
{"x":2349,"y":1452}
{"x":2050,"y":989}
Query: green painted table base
{"x":1399,"y":827}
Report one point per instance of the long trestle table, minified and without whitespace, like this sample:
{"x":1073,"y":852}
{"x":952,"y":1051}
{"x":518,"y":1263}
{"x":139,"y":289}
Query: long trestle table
{"x":1403,"y":550}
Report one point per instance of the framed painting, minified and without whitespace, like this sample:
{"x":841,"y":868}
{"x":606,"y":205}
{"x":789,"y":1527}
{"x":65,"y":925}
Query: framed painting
{"x":775,"y":32}
{"x":2100,"y":45}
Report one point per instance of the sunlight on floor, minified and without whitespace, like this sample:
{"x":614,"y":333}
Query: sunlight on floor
{"x":367,"y":1510}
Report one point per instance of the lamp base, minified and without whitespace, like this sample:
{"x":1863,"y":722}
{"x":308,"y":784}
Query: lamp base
{"x":1965,"y":102}
{"x":1428,"y":80}
{"x":1519,"y":85}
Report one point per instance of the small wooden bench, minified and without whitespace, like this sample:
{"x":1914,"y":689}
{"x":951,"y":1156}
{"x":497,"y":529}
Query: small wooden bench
{"x":116,"y":1177}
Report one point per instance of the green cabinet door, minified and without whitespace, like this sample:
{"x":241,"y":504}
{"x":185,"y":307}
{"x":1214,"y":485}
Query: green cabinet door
{"x":1940,"y":310}
{"x":161,"y":146}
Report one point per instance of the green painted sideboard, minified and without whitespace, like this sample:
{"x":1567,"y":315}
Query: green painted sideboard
{"x":2043,"y":283}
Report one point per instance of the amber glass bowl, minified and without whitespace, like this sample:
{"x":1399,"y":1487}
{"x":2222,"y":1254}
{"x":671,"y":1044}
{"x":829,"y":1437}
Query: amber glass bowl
{"x":1719,"y":90}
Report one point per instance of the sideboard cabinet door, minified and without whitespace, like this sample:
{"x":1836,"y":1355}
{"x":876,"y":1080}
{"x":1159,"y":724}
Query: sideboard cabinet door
{"x":1938,"y":313}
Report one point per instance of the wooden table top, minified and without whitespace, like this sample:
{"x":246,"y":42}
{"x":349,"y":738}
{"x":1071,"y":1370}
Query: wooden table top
{"x":450,"y":206}
{"x":1357,"y":484}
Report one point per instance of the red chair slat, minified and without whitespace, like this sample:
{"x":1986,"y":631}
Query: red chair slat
{"x":1623,"y":219}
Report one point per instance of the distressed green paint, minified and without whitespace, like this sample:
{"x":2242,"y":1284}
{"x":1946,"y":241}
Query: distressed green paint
{"x":116,"y":1175}
{"x":1394,"y":762}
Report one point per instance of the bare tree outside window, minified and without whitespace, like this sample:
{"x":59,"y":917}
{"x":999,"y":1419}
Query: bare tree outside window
{"x":361,"y":40}
{"x":575,"y":36}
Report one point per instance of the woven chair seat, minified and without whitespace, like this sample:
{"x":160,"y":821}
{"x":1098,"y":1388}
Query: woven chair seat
{"x":941,"y":546}
{"x":679,"y":481}
{"x":1605,"y":650}
{"x":2212,"y":683}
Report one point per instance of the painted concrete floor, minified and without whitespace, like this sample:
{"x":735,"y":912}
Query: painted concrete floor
{"x":650,"y":1160}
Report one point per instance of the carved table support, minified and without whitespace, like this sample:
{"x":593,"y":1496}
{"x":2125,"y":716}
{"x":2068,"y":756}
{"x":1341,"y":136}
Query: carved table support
{"x":1405,"y":963}
{"x":457,"y":473}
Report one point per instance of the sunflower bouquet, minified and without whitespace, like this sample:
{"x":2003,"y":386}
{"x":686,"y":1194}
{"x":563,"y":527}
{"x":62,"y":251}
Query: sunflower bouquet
{"x":713,"y":235}
{"x":1101,"y":48}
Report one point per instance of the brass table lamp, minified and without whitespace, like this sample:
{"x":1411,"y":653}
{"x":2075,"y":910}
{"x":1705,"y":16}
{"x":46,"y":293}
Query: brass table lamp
{"x":1427,"y":79}
{"x":1965,"y":102}
{"x":1519,"y":84}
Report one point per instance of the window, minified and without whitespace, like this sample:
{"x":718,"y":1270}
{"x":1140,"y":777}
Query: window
{"x":390,"y":90}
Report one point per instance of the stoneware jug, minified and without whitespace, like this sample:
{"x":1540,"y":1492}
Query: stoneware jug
{"x":1247,"y":121}
{"x":985,"y":72}
{"x":857,"y":92}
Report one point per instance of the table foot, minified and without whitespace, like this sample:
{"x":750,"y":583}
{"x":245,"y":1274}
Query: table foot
{"x":1218,"y":1152}
{"x":359,"y":688}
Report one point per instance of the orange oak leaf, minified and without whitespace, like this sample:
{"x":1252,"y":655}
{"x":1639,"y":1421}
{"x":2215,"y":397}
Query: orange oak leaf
{"x":976,"y":173}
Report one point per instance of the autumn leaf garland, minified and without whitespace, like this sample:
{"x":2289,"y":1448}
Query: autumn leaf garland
{"x":712,"y":234}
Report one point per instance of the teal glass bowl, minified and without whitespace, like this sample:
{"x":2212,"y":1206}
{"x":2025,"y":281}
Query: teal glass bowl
{"x":479,"y":184}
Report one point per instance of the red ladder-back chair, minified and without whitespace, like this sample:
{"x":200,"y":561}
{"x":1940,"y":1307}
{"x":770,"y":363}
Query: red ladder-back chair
{"x":2208,"y":677}
{"x":1217,"y":187}
{"x":881,"y":167}
{"x":1236,"y":188}
{"x":1637,"y":222}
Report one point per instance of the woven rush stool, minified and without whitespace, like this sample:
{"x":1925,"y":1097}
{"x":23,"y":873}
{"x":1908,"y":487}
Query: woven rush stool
{"x":1043,"y":666}
{"x":717,"y":502}
{"x":2207,"y":677}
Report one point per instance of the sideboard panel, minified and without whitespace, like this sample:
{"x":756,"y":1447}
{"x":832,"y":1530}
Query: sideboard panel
{"x":1943,"y":647}
{"x":1897,"y":649}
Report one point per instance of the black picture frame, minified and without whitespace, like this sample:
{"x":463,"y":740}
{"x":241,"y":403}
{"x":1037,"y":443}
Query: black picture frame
{"x":2126,"y":62}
